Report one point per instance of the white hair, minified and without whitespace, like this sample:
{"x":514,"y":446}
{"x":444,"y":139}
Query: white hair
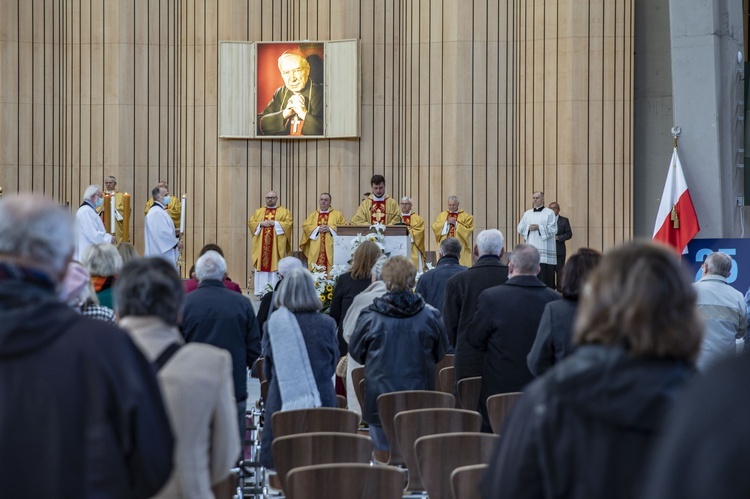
{"x":210,"y":267}
{"x":288,"y":263}
{"x":36,"y":231}
{"x":490,"y":242}
{"x":91,"y":191}
{"x":406,"y":199}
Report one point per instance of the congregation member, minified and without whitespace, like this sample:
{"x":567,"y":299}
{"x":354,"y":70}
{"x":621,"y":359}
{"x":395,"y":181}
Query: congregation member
{"x":172,"y":204}
{"x":432,"y":284}
{"x":110,"y":184}
{"x":564,"y":232}
{"x":271,"y":228}
{"x":461,"y":294}
{"x":265,"y":308}
{"x":89,"y":226}
{"x":399,"y":339}
{"x":160,"y":234}
{"x":415,"y":225}
{"x":504,"y":326}
{"x":195,"y":379}
{"x":588,"y":427}
{"x":455,"y":222}
{"x":538,"y":227}
{"x":554,"y":337}
{"x":191,"y":284}
{"x":225,"y":319}
{"x":360,"y":303}
{"x":318,"y":231}
{"x":103,"y":263}
{"x":106,"y":433}
{"x":297,"y":108}
{"x":722,"y":308}
{"x":77,"y":292}
{"x":378,"y":208}
{"x":300,"y":352}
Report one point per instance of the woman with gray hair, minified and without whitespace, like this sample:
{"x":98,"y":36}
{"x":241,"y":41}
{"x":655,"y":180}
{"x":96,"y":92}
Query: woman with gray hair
{"x":300,"y":351}
{"x":103,"y":262}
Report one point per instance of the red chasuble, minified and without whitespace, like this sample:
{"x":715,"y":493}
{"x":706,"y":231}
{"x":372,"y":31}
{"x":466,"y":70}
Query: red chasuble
{"x":322,"y":256}
{"x":377,"y":212}
{"x":452,"y":230}
{"x":268,"y":239}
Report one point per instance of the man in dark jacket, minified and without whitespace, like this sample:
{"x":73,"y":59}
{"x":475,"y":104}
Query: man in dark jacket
{"x":505,"y":323}
{"x":564,"y":232}
{"x":432,"y":283}
{"x":225,"y":319}
{"x":82,"y":412}
{"x":461,"y":294}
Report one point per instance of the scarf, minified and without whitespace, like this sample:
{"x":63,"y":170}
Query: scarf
{"x":293,"y":371}
{"x":101,"y":283}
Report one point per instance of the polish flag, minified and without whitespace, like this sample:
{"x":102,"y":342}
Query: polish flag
{"x":676,"y":223}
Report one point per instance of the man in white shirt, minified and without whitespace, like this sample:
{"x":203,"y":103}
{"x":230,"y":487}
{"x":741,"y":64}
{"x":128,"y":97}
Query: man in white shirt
{"x":160,"y":235}
{"x":89,"y":226}
{"x":538,"y":228}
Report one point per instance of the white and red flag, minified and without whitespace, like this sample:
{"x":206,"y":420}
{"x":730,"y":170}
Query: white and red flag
{"x":676,"y":223}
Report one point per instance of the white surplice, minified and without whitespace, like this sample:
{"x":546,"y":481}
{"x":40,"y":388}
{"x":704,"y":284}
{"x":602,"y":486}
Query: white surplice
{"x":89,"y":229}
{"x":161,"y":240}
{"x":544,"y":238}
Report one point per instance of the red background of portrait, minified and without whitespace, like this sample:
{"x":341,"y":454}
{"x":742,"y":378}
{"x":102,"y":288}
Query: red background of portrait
{"x":268,"y":76}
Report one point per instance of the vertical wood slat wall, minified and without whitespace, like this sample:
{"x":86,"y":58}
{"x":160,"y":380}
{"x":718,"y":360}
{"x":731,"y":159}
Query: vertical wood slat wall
{"x":486,"y":100}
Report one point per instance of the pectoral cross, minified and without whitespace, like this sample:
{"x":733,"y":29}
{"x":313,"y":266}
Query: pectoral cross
{"x":296,"y":121}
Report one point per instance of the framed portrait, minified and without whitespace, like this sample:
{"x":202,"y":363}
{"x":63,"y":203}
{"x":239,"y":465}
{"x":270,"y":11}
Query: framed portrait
{"x":289,"y":90}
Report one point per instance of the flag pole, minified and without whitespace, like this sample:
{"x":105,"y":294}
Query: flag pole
{"x":676,"y":131}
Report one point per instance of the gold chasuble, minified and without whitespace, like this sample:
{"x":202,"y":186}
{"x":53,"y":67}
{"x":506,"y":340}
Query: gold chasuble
{"x":461,"y":231}
{"x":270,"y":246}
{"x":416,"y":231}
{"x":385,"y":211}
{"x":318,"y":246}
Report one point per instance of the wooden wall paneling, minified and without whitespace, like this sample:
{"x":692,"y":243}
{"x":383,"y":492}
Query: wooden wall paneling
{"x":605,"y":195}
{"x":36,"y":29}
{"x":51,"y":185}
{"x":561,"y":193}
{"x":544,"y":170}
{"x":9,"y":88}
{"x":478,"y":192}
{"x":25,"y":111}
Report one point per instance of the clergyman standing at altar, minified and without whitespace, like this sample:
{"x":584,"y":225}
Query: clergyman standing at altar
{"x":271,"y":227}
{"x":172,"y":203}
{"x":455,"y":222}
{"x":161,"y":237}
{"x":415,"y":223}
{"x":110,"y":184}
{"x":378,"y":208}
{"x":318,"y":231}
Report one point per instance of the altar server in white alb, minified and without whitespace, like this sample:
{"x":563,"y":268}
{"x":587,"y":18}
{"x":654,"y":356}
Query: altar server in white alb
{"x":89,"y":226}
{"x":161,"y":238}
{"x":538,"y":228}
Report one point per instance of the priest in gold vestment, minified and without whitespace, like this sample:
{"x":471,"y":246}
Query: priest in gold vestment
{"x":415,"y":223}
{"x":110,"y":185}
{"x":455,"y":222}
{"x":271,"y":227}
{"x":173,"y":204}
{"x":378,"y":208}
{"x":318,"y":231}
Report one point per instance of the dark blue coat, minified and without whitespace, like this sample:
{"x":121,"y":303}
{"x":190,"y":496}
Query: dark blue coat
{"x":432,"y":283}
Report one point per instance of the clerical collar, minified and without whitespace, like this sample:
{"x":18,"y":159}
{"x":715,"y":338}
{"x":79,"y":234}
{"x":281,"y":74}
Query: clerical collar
{"x":272,"y":207}
{"x":159,"y":203}
{"x":375,"y":198}
{"x":406,"y":214}
{"x":324,"y":211}
{"x":539,"y":209}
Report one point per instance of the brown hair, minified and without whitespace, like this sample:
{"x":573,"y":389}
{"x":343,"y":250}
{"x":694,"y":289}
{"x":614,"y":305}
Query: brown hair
{"x":399,"y":274}
{"x":639,"y":298}
{"x":576,"y":271}
{"x":365,"y":257}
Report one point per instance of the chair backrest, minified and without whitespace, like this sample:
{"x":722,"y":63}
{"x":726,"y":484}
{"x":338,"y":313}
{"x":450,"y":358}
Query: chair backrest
{"x":341,"y":401}
{"x":446,"y":361}
{"x":305,"y":449}
{"x":465,"y":481}
{"x":264,"y":390}
{"x":498,"y":408}
{"x":447,"y":379}
{"x":358,"y":375}
{"x":390,"y":404}
{"x":439,"y":455}
{"x":315,"y":419}
{"x":259,"y":368}
{"x":410,"y":425}
{"x":468,"y":393}
{"x":362,"y":481}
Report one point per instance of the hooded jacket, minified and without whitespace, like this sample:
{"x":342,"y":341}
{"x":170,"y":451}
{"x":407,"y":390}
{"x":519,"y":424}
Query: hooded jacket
{"x":586,"y":428}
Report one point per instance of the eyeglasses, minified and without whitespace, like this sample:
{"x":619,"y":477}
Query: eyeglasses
{"x":296,"y":72}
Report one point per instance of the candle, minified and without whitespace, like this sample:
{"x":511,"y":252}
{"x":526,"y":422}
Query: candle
{"x":126,"y":217}
{"x":182,"y":214}
{"x":112,"y":213}
{"x":106,"y":211}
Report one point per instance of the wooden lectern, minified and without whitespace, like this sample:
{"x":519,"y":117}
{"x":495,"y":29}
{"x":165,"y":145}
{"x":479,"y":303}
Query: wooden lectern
{"x":396,"y":241}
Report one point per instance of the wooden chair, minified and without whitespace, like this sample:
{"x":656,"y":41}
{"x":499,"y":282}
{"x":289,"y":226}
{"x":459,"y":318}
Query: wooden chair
{"x":468,"y":393}
{"x":446,"y":361}
{"x":259,"y":369}
{"x":358,"y":377}
{"x":305,"y":449}
{"x":341,"y":401}
{"x":331,"y":419}
{"x":390,"y":404}
{"x":439,"y":455}
{"x":346,"y":480}
{"x":465,"y":481}
{"x":498,"y":408}
{"x":411,"y":425}
{"x":447,"y":379}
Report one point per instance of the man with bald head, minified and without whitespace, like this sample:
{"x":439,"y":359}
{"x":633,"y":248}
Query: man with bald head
{"x":297,"y":107}
{"x":271,"y":227}
{"x":455,"y":222}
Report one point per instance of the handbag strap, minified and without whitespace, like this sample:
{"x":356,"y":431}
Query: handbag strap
{"x":165,"y":355}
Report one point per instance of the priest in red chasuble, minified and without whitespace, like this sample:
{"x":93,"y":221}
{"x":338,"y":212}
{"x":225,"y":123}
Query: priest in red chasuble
{"x":415,"y":223}
{"x":455,"y":222}
{"x":271,"y":227}
{"x":318,"y":231}
{"x":378,"y":208}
